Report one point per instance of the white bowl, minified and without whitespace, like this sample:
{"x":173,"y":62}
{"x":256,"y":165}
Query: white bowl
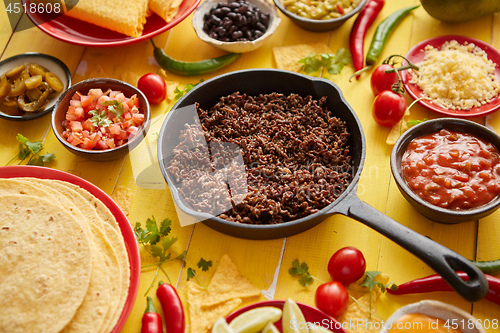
{"x":465,"y":321}
{"x":264,"y":6}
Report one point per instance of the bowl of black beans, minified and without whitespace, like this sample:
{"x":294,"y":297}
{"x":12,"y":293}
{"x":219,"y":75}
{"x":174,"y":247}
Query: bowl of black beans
{"x":235,"y":25}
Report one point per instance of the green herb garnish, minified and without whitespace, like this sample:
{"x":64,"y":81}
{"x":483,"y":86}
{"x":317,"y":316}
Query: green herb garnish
{"x":100,"y":118}
{"x":115,"y":107}
{"x":302,"y":271}
{"x":332,"y":63}
{"x":204,"y":265}
{"x":153,"y":235}
{"x":31,"y":150}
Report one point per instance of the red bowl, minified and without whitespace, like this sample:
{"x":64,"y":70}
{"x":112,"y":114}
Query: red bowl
{"x":312,"y":315}
{"x":82,"y":33}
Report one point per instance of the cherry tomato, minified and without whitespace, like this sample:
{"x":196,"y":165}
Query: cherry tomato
{"x":380,"y":80}
{"x":347,"y":265}
{"x":332,"y":298}
{"x":153,"y":86}
{"x":388,"y":108}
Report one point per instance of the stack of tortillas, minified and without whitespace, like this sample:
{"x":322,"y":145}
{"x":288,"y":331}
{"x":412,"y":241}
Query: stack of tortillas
{"x":123,"y":16}
{"x":64,"y":262}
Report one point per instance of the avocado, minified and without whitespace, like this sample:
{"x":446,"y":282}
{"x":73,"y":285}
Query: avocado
{"x":457,"y":11}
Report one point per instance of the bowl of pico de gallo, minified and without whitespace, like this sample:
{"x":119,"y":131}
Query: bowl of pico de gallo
{"x":101,"y":118}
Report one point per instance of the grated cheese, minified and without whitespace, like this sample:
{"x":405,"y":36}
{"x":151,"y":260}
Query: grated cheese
{"x":456,"y":77}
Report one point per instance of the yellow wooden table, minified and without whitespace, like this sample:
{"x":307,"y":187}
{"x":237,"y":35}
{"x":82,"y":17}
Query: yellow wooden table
{"x":266,"y":263}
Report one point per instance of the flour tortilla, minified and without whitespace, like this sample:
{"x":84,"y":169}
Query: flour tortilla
{"x":109,"y":285}
{"x":46,"y":264}
{"x":110,"y":228}
{"x":123,"y":16}
{"x":100,"y":217}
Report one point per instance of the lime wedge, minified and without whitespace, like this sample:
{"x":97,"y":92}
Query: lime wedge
{"x":255,"y":320}
{"x":293,"y":320}
{"x":221,"y":326}
{"x":270,"y":328}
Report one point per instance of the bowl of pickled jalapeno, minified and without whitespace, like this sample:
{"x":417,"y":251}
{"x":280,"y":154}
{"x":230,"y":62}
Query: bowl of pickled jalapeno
{"x":319,"y":15}
{"x":30,"y":84}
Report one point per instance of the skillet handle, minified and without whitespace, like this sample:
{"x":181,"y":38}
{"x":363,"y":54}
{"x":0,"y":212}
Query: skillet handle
{"x":443,"y":260}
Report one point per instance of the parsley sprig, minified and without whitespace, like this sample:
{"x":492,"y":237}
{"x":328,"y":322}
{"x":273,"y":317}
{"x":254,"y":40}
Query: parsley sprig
{"x":31,"y":150}
{"x":332,"y":63}
{"x":204,"y":265}
{"x":302,"y":271}
{"x":156,"y":242}
{"x":370,"y":282}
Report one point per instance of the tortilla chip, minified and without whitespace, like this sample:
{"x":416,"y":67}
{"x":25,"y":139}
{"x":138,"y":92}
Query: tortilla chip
{"x":166,"y":9}
{"x":126,"y":17}
{"x":357,"y":318}
{"x":123,"y":198}
{"x":202,"y":317}
{"x":287,"y":57}
{"x":227,"y":283}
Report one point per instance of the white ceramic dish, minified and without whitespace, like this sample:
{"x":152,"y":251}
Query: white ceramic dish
{"x":236,"y":47}
{"x":53,"y":64}
{"x":455,"y":316}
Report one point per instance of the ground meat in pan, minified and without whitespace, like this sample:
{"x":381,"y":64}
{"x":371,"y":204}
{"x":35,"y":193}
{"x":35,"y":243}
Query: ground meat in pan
{"x":295,"y":154}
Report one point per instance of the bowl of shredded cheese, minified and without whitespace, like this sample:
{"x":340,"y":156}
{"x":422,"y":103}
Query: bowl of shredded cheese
{"x":457,"y":76}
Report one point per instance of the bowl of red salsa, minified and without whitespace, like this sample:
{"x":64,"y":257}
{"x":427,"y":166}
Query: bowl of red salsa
{"x":101,"y":119}
{"x":449,"y":169}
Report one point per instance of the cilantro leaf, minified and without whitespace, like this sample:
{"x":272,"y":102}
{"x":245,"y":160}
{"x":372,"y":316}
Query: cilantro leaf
{"x":370,"y":281}
{"x":191,"y":273}
{"x":99,"y":118}
{"x":23,"y":152}
{"x":337,"y":63}
{"x":332,"y":63}
{"x":48,"y":157}
{"x":204,"y":265}
{"x":21,"y":138}
{"x":28,"y":148}
{"x":115,"y":107}
{"x":306,"y":280}
{"x":302,"y":271}
{"x":310,"y":63}
{"x":298,"y":268}
{"x":411,"y":123}
{"x":165,"y":227}
{"x":140,"y":234}
{"x":179,"y":93}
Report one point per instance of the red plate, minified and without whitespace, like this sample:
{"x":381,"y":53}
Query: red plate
{"x":312,"y":315}
{"x":416,"y":54}
{"x":82,"y":33}
{"x":125,"y":226}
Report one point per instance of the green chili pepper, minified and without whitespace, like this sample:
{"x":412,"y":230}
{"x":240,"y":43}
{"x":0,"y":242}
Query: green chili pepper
{"x":490,"y":267}
{"x":192,"y":68}
{"x":382,"y":33}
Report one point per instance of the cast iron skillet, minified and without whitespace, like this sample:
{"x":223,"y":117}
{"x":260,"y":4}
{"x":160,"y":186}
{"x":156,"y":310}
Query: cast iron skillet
{"x":256,"y":81}
{"x":432,"y":212}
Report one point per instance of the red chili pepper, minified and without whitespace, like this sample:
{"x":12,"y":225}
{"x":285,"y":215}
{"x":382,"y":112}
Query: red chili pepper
{"x":437,"y":283}
{"x":151,"y":320}
{"x":172,"y":308}
{"x":365,"y":19}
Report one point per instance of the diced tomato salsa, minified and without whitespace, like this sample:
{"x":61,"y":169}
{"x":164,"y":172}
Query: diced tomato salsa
{"x":102,"y":120}
{"x":453,"y":170}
